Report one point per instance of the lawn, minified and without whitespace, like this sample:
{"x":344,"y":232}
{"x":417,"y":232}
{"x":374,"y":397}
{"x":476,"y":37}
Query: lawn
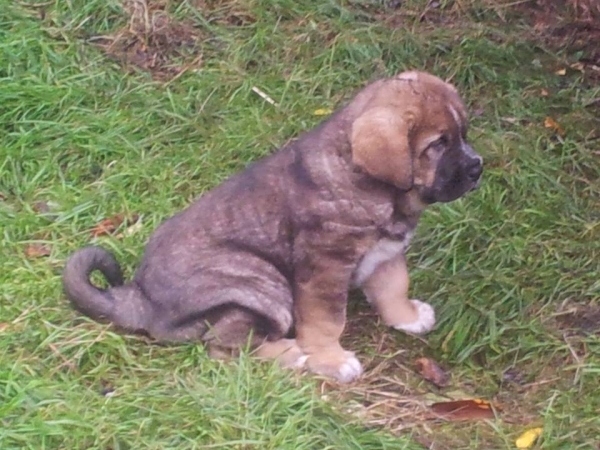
{"x":121,"y":112}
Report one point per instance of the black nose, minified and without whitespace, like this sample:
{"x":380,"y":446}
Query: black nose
{"x":474,"y":169}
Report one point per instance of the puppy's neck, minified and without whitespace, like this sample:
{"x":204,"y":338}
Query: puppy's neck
{"x":408,"y":207}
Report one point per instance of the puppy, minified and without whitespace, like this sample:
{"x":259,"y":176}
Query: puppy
{"x":269,"y":255}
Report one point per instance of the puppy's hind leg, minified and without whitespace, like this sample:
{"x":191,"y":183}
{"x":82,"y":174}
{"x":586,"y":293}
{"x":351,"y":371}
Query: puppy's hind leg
{"x":387,"y":289}
{"x":229,"y":328}
{"x":233,"y":327}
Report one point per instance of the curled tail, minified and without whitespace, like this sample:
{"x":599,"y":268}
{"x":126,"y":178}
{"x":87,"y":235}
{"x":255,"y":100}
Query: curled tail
{"x":123,"y":305}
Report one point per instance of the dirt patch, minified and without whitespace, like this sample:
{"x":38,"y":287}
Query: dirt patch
{"x":579,"y":320}
{"x":397,"y":14}
{"x":225,"y":12}
{"x":154,"y":41}
{"x":571,"y":25}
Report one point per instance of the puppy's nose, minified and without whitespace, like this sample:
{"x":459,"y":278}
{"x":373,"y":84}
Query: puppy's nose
{"x":474,"y":169}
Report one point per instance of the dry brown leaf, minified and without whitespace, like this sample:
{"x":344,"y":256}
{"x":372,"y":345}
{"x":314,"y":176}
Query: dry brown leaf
{"x":549,"y":122}
{"x":36,"y":250}
{"x":459,"y":410}
{"x":578,"y":66}
{"x":544,"y":93}
{"x":41,"y":207}
{"x":3,"y":326}
{"x":432,"y":372}
{"x":108,"y":226}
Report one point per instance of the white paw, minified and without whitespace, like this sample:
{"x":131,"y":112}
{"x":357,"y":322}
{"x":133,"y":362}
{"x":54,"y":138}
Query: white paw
{"x":343,"y":366}
{"x":425,"y":320}
{"x":350,"y":369}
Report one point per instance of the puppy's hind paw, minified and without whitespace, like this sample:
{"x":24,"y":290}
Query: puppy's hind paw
{"x":425,"y":319}
{"x":285,"y":351}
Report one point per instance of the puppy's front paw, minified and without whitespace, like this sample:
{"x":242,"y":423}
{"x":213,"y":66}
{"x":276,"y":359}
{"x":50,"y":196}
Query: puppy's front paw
{"x":343,"y":366}
{"x":425,"y":319}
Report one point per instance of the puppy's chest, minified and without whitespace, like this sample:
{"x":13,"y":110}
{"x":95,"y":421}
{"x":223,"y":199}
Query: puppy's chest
{"x":391,"y":244}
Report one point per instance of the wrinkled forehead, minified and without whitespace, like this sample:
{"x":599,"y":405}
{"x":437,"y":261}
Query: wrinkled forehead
{"x":456,"y":108}
{"x":433,"y":99}
{"x":426,"y":98}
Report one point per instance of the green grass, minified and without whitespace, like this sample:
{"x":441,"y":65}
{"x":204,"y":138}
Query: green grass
{"x":90,"y":139}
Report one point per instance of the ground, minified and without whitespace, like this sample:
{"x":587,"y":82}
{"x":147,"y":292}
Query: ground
{"x":116,"y":114}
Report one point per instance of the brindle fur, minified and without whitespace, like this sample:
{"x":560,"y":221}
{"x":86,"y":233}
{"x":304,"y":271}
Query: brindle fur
{"x":271,"y":252}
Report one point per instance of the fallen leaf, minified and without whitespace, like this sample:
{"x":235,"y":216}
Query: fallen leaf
{"x":578,"y":66}
{"x":549,"y":122}
{"x":527,"y":439}
{"x":37,"y":250}
{"x":544,"y":93}
{"x":3,"y":326}
{"x":561,"y":72}
{"x":432,"y":372}
{"x":322,"y":112}
{"x":41,"y":207}
{"x":108,"y":226}
{"x":458,"y":410}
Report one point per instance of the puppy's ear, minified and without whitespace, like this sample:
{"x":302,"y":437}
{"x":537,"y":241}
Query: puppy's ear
{"x":380,"y":146}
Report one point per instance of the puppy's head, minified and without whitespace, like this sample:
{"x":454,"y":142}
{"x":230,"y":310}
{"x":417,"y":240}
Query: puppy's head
{"x":410,"y":131}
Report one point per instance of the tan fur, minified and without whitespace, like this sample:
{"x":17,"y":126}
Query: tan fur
{"x":380,"y":146}
{"x":285,"y":351}
{"x":320,"y":312}
{"x":387,"y":290}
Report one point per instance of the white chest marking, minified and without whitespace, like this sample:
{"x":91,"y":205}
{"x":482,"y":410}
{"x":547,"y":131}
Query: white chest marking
{"x":384,"y":250}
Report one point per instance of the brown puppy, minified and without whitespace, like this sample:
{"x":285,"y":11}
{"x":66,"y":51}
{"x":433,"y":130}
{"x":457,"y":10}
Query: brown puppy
{"x":271,"y":252}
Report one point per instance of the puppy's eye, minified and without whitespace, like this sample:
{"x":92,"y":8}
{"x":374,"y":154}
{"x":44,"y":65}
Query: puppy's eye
{"x":439,"y":144}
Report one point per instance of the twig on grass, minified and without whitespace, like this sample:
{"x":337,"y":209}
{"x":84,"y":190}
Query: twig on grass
{"x":264,"y":96}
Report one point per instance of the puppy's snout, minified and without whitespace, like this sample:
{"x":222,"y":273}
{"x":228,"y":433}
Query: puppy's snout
{"x":474,"y":169}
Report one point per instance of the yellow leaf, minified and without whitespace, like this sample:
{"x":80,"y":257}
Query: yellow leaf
{"x":527,"y":439}
{"x":549,"y":122}
{"x":561,"y":72}
{"x":322,"y":112}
